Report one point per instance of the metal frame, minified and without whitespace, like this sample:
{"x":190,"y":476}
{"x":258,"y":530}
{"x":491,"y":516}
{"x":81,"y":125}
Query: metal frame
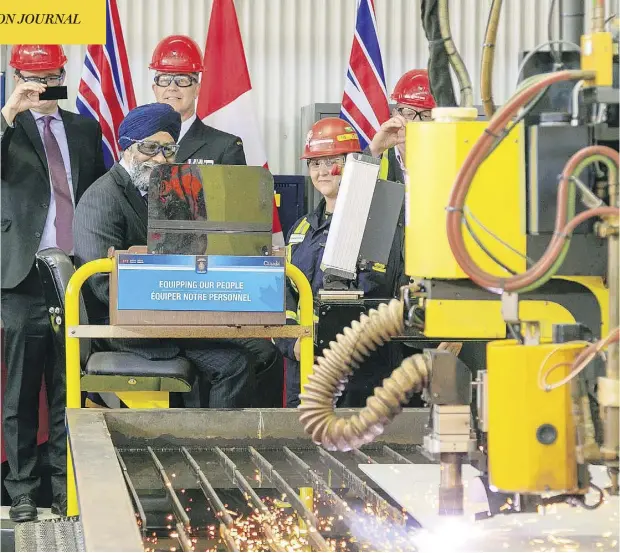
{"x":74,"y":332}
{"x":108,"y":514}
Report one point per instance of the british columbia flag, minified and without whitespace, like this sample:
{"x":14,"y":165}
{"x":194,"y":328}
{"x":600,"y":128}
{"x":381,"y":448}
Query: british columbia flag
{"x":365,"y":102}
{"x":106,"y":92}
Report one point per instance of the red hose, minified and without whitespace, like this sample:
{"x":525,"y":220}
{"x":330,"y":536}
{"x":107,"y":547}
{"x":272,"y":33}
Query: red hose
{"x":562,"y":229}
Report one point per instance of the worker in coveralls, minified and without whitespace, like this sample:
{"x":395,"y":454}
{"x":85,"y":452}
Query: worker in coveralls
{"x":327,"y":144}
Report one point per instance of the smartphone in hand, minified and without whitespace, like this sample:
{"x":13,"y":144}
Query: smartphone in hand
{"x":54,"y":93}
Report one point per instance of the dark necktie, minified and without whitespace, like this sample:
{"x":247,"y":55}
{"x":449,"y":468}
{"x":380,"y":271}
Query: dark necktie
{"x":60,"y":183}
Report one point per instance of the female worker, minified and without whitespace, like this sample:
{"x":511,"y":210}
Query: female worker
{"x":327,"y":144}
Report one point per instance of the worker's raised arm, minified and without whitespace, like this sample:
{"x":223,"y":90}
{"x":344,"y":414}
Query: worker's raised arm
{"x":391,"y":133}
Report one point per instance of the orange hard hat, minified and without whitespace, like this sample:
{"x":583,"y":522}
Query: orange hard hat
{"x":37,"y":57}
{"x":413,"y":89}
{"x":331,"y":137}
{"x":177,"y":54}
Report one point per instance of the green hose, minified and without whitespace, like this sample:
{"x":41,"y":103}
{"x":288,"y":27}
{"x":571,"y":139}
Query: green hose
{"x":560,"y":260}
{"x":529,"y":81}
{"x":571,"y":207}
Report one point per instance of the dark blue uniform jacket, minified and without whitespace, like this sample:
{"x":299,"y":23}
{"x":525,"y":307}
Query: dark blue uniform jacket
{"x":305,"y":246}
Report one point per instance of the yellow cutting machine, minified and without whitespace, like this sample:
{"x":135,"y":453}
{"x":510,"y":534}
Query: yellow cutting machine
{"x":511,"y":244}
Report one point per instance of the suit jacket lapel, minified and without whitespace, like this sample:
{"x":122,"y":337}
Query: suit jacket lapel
{"x":191,"y":142}
{"x":74,"y":147}
{"x":131,"y":193}
{"x":27,"y":121}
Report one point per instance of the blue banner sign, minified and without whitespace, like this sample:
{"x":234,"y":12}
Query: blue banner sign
{"x":200,"y":283}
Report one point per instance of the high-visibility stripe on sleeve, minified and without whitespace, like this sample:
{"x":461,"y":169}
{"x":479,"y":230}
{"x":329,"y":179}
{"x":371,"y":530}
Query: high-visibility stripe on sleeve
{"x":300,"y":230}
{"x":384,"y":167}
{"x":302,"y":227}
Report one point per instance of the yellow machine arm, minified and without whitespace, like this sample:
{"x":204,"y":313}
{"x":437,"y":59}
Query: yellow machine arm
{"x":543,"y":442}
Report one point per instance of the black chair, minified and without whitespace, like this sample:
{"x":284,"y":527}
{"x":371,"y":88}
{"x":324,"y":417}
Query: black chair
{"x":105,"y":371}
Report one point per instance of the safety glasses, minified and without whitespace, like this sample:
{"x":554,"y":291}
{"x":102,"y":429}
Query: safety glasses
{"x":151,"y":149}
{"x":329,"y":162}
{"x":411,"y":114}
{"x":182,"y":81}
{"x":50,"y":80}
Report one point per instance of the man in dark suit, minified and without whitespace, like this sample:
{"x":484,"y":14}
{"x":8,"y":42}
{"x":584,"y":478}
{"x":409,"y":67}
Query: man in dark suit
{"x":49,"y":158}
{"x":177,"y":60}
{"x":113,"y":213}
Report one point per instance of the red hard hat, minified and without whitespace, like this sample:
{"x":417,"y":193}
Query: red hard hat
{"x":413,"y":89}
{"x":177,"y":54}
{"x":37,"y":57}
{"x":331,"y":137}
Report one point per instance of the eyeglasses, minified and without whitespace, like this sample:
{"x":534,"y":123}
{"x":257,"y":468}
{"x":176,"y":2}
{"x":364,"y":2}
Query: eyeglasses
{"x":328,"y":162}
{"x":182,"y":81}
{"x":151,"y":149}
{"x":50,"y":80}
{"x":411,"y":114}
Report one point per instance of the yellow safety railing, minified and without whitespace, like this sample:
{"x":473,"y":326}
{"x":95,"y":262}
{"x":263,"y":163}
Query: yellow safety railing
{"x":72,"y":319}
{"x":72,"y":343}
{"x":306,"y":319}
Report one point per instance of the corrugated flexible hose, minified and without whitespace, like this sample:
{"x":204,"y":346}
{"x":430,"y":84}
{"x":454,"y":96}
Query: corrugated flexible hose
{"x":331,"y":373}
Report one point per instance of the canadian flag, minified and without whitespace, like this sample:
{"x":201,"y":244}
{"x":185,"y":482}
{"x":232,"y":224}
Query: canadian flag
{"x":225,"y":101}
